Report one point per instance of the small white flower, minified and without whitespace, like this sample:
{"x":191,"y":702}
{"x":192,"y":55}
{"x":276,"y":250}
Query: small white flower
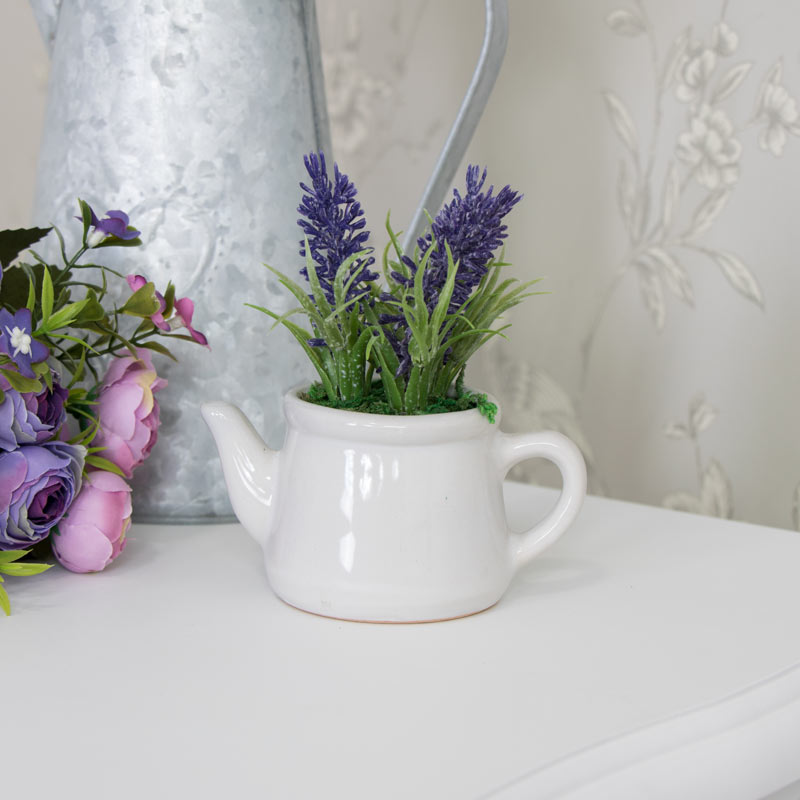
{"x":724,"y":40}
{"x":95,"y":237}
{"x":711,"y":148}
{"x":778,"y":109}
{"x":20,"y":341}
{"x":694,"y":71}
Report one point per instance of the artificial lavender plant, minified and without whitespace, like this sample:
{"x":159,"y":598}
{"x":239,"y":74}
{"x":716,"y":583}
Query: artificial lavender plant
{"x":402,"y":347}
{"x":471,"y":226}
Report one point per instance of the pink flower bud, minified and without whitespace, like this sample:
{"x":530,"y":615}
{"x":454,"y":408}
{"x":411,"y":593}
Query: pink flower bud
{"x":92,"y":533}
{"x":128,"y":411}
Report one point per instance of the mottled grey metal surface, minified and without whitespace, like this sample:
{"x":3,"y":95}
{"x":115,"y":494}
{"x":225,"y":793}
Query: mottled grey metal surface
{"x":193,"y":116}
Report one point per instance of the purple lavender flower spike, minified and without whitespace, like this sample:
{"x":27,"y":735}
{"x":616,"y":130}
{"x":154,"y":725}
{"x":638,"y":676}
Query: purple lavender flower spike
{"x":472,"y":227}
{"x":17,"y":342}
{"x":334,"y":225}
{"x":115,"y":223}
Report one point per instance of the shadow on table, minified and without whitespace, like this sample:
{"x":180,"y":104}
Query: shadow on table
{"x":553,"y":574}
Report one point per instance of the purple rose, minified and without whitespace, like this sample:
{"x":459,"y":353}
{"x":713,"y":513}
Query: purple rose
{"x":48,"y":406}
{"x":18,"y":424}
{"x":30,"y":418}
{"x":37,"y":485}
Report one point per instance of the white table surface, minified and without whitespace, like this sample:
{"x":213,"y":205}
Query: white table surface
{"x":177,"y":673}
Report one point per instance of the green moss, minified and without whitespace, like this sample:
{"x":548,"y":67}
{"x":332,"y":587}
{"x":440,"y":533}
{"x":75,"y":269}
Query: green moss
{"x":375,"y":402}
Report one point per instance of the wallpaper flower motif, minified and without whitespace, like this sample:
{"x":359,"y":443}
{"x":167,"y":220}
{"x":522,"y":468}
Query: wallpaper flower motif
{"x":715,"y":493}
{"x":697,"y":64}
{"x":363,"y":93}
{"x":708,"y":154}
{"x":778,"y":110}
{"x":352,"y":91}
{"x":710,"y":148}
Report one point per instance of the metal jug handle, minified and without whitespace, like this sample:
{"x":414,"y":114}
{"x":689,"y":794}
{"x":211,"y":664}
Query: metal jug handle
{"x":489,"y":62}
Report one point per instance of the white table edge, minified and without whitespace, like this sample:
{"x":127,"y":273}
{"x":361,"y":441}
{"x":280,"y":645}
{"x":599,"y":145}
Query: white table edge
{"x":707,"y":746}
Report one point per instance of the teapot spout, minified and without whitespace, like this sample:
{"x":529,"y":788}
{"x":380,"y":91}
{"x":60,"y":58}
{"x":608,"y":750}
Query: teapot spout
{"x":248,"y":465}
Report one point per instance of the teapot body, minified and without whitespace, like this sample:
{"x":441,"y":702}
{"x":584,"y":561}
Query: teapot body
{"x":388,"y":518}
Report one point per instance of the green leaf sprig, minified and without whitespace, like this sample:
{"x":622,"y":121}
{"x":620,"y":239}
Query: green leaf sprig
{"x":10,"y":564}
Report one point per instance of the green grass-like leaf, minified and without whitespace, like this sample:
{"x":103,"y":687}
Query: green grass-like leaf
{"x":86,"y":217}
{"x":103,"y":463}
{"x":7,"y":556}
{"x":22,"y":570}
{"x":31,"y":302}
{"x":302,"y":336}
{"x":10,"y":564}
{"x":143,"y":302}
{"x":5,"y":602}
{"x":47,"y":295}
{"x":63,"y":318}
{"x":20,"y":382}
{"x":375,"y":401}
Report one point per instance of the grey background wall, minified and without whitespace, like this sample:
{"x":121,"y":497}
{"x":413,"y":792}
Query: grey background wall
{"x":23,"y":78}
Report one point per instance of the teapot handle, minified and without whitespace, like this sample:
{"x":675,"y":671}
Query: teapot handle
{"x":480,"y":87}
{"x":511,"y":449}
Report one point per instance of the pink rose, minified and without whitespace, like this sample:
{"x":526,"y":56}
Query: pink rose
{"x":92,"y":533}
{"x":128,"y":411}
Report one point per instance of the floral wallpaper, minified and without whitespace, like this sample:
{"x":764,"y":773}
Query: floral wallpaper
{"x":702,"y":71}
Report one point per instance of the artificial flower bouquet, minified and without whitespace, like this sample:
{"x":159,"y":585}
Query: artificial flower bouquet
{"x":78,"y":412}
{"x":398,"y":347}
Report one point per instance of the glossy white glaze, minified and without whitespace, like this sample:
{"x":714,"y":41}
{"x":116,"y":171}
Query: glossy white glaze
{"x":388,"y":519}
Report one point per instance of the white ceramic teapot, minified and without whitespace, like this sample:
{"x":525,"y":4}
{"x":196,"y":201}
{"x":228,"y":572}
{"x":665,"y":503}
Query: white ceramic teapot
{"x":388,"y":518}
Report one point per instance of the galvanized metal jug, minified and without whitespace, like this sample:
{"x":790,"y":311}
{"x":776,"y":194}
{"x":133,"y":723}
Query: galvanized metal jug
{"x":193,"y":116}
